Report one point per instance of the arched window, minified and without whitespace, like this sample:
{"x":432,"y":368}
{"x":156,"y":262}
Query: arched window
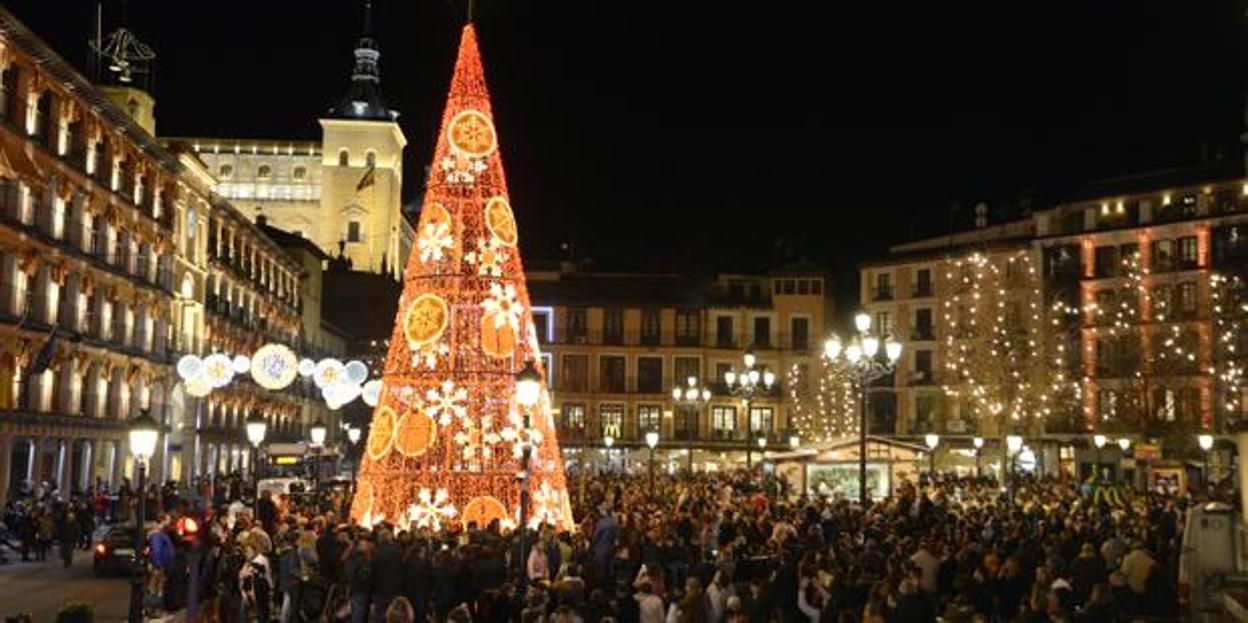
{"x":344,"y":157}
{"x":370,"y":158}
{"x":299,"y":173}
{"x":226,"y":171}
{"x":264,"y":171}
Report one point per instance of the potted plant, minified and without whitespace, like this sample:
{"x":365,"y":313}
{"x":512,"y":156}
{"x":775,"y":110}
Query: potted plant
{"x":76,"y":613}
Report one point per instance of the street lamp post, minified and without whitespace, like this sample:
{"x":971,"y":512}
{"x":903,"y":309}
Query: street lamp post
{"x":978,"y":442}
{"x":608,"y":441}
{"x":317,"y":435}
{"x":528,"y":388}
{"x":1013,"y":445}
{"x":1098,"y":441}
{"x":866,"y":364}
{"x":143,"y":433}
{"x":692,"y":396}
{"x":749,"y":383}
{"x":932,"y":440}
{"x":353,"y":436}
{"x":257,"y":427}
{"x":1205,"y":441}
{"x":652,"y":440}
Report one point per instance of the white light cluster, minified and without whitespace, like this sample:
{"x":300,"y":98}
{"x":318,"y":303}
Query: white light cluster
{"x":274,"y":367}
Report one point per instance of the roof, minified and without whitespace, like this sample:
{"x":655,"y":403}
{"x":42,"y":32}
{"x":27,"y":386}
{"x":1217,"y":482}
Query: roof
{"x":952,"y":250}
{"x":363,"y":98}
{"x":1210,"y":172}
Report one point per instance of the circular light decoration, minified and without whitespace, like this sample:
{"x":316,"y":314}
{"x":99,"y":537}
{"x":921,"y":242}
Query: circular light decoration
{"x":328,"y":372}
{"x":472,"y":133}
{"x":198,"y":386}
{"x":371,"y":393}
{"x":381,"y":433}
{"x":482,"y":510}
{"x":500,"y":221}
{"x":189,"y":366}
{"x":356,"y":371}
{"x":218,"y":369}
{"x":241,"y":364}
{"x":426,"y":319}
{"x":307,"y":367}
{"x":274,"y":366}
{"x":415,"y":433}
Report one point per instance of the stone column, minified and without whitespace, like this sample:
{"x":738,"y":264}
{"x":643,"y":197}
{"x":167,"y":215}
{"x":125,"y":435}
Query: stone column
{"x":6,"y":458}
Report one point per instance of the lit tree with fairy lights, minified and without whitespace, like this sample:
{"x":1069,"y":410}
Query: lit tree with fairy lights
{"x":1229,"y":315}
{"x":825,"y":405}
{"x":1005,"y":351}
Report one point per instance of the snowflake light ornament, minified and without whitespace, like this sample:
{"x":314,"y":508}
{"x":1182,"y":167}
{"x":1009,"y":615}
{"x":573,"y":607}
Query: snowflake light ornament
{"x":434,"y":241}
{"x":431,"y":509}
{"x":446,"y":402}
{"x":502,"y":305}
{"x":489,"y":257}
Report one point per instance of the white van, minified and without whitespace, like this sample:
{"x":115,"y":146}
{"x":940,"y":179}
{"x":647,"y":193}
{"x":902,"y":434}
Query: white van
{"x":1208,"y":557}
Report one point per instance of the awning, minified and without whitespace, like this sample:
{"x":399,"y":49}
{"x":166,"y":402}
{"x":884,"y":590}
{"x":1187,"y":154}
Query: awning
{"x":14,"y":163}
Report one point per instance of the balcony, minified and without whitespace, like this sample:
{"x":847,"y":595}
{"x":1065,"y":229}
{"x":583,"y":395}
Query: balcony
{"x":922,"y":333}
{"x":882,"y":293}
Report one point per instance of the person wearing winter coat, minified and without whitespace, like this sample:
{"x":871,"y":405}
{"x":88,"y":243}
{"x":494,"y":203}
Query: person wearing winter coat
{"x":256,"y":581}
{"x":68,"y":533}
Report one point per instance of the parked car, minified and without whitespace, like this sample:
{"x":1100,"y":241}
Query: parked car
{"x":114,"y":551}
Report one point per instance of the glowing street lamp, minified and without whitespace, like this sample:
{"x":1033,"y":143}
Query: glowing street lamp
{"x":144,"y":432}
{"x":528,"y":389}
{"x":978,"y":442}
{"x":1205,"y":441}
{"x":652,"y":440}
{"x":1013,"y":445}
{"x":932,"y":440}
{"x":692,"y":396}
{"x":746,"y":385}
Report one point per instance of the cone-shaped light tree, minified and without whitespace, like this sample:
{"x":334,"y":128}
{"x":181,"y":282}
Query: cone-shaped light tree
{"x":447,"y":435}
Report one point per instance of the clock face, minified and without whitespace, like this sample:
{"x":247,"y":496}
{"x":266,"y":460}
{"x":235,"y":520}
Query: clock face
{"x":472,"y":133}
{"x":500,"y":221}
{"x":426,"y":319}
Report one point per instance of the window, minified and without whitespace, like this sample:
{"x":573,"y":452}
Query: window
{"x":686,"y":425}
{"x":925,"y":412}
{"x":353,"y":231}
{"x":541,"y":324}
{"x":760,"y":420}
{"x":816,"y":287}
{"x":723,"y":421}
{"x":800,"y":330}
{"x":923,"y":366}
{"x":790,"y":286}
{"x":803,"y":286}
{"x":883,"y":287}
{"x":923,"y":282}
{"x":575,"y":377}
{"x":650,"y":326}
{"x":226,"y":171}
{"x":649,"y":417}
{"x":344,"y":158}
{"x":650,"y":375}
{"x":685,"y":367}
{"x":577,"y":325}
{"x":1187,"y":297}
{"x":762,"y":331}
{"x":1106,"y":261}
{"x":922,"y":324}
{"x":299,"y":173}
{"x":1187,"y":251}
{"x":611,"y":374}
{"x":1163,"y":255}
{"x":723,"y":332}
{"x":883,"y":323}
{"x":688,"y":333}
{"x":613,"y":326}
{"x":611,"y":419}
{"x":573,"y":416}
{"x":264,"y":171}
{"x":370,"y":159}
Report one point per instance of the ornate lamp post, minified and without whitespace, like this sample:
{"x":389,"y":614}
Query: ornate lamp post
{"x":978,"y":442}
{"x":1205,"y":441}
{"x":143,"y":433}
{"x":933,"y":441}
{"x":692,"y":396}
{"x":1098,"y":441}
{"x":257,"y":427}
{"x":652,"y":440}
{"x":1013,"y":445}
{"x":317,"y":435}
{"x":353,"y":436}
{"x":747,"y":384}
{"x":528,"y":388}
{"x":608,"y":441}
{"x":866,"y":364}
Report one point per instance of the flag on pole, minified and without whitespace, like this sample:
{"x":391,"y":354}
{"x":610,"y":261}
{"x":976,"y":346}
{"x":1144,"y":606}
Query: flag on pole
{"x":44,"y":358}
{"x":367,"y":180}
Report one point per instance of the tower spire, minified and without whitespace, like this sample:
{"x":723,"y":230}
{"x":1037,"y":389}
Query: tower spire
{"x":363,"y":99}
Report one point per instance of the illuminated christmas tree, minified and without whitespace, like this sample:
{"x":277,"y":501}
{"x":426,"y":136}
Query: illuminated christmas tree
{"x":825,"y":405}
{"x":447,"y":435}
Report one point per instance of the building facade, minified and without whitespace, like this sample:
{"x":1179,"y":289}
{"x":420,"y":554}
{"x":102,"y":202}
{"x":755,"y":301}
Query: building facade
{"x":615,"y":345}
{"x":343,"y":192}
{"x":1133,"y":289}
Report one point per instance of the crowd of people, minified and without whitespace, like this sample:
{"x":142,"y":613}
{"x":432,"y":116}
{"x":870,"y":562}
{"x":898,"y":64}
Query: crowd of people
{"x":711,"y":548}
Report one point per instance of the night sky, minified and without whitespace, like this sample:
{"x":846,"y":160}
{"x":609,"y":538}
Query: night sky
{"x":693,"y":135}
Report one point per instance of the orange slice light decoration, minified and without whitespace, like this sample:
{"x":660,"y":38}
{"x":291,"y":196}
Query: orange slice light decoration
{"x":500,"y":221}
{"x":472,"y":133}
{"x":381,"y":433}
{"x":416,"y":433}
{"x":482,"y":510}
{"x":426,"y":319}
